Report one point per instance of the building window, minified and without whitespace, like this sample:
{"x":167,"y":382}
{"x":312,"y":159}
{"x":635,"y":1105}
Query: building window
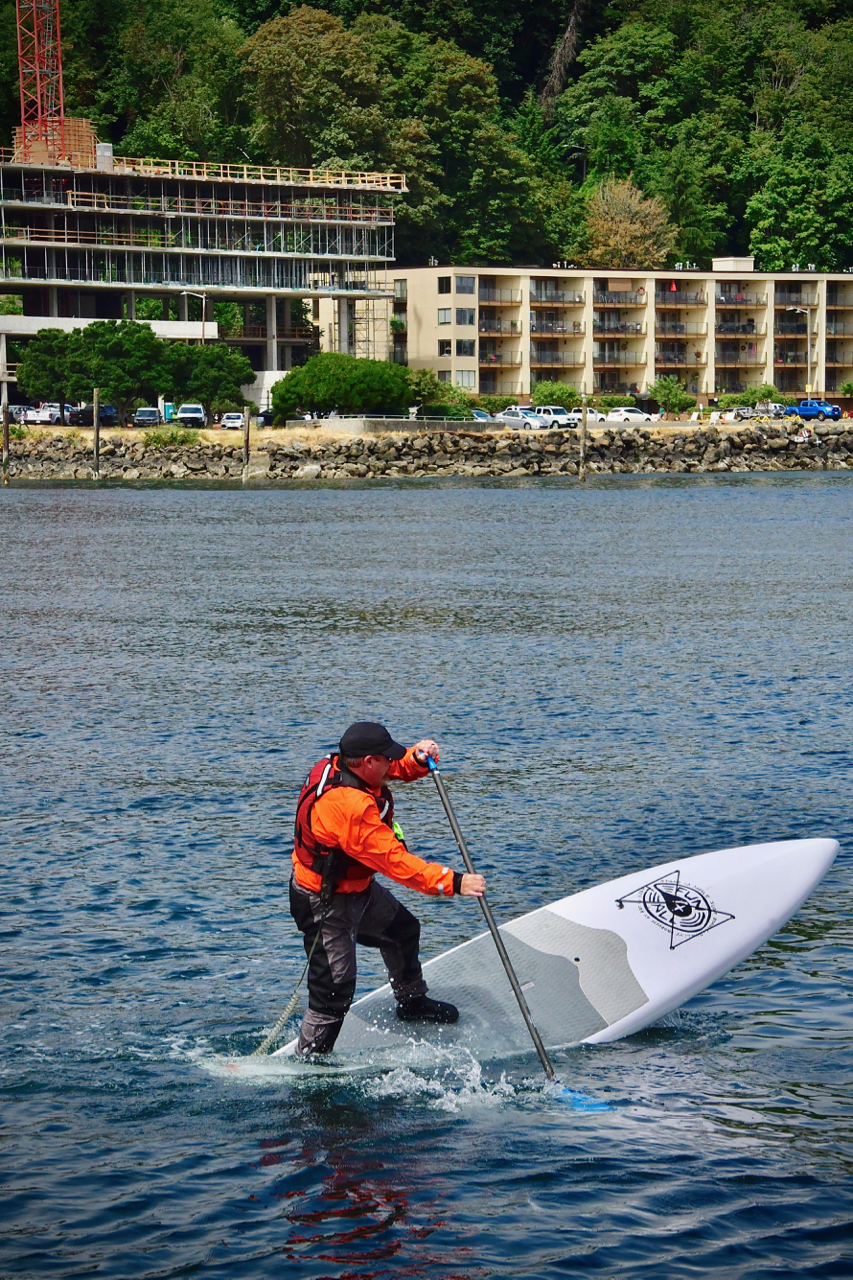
{"x":464,"y":284}
{"x":465,"y":378}
{"x":444,"y":314}
{"x":464,"y":347}
{"x":465,"y":315}
{"x":444,"y":284}
{"x":444,"y":347}
{"x":444,"y":375}
{"x":401,"y":290}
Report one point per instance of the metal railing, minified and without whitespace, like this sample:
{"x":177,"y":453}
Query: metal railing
{"x":791,"y":327}
{"x":507,"y":296}
{"x":618,"y":359}
{"x":632,"y":298}
{"x":190,"y":206}
{"x":499,"y":326}
{"x":838,"y":328}
{"x":291,"y":177}
{"x":500,"y":359}
{"x":738,"y":298}
{"x":790,"y":357}
{"x":573,"y":329}
{"x":680,"y":298}
{"x":399,"y":355}
{"x":680,"y":328}
{"x":567,"y":359}
{"x":736,"y":358}
{"x":795,"y":299}
{"x":558,"y":298}
{"x":696,"y":360}
{"x":603,"y":327}
{"x":725,"y":327}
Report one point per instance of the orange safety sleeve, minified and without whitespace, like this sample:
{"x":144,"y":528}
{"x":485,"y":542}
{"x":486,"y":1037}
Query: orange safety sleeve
{"x":349,"y":819}
{"x":407,"y":769}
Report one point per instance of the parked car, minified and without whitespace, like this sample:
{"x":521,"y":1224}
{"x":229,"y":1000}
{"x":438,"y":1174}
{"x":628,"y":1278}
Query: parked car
{"x":266,"y":417}
{"x":575,"y":416}
{"x":809,"y":409}
{"x":149,"y":417}
{"x":740,"y":413}
{"x":769,"y":409}
{"x":480,"y":415}
{"x":84,"y":416}
{"x":192,"y":415}
{"x":48,"y":414}
{"x":628,"y":415}
{"x":554,"y":414}
{"x":520,"y":418}
{"x":231,"y":422}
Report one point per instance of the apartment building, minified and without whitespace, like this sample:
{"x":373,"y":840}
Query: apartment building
{"x":301,"y":254}
{"x":500,"y":330}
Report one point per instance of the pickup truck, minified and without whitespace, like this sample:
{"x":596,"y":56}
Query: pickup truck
{"x":47,"y":414}
{"x":820,"y":409}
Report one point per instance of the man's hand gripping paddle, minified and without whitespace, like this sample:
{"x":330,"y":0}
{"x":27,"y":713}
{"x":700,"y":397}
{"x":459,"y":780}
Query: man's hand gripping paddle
{"x":490,"y":921}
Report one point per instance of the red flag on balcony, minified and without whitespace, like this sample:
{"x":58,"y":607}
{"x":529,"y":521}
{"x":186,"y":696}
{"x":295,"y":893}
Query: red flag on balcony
{"x":673,"y":288}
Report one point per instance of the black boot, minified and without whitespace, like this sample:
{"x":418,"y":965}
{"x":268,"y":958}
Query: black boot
{"x":423,"y":1009}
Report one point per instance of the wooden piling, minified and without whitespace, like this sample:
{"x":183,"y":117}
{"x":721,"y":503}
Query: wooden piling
{"x":96,"y":423}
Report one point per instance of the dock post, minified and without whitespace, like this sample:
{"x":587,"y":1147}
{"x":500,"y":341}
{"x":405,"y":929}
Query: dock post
{"x":96,"y":423}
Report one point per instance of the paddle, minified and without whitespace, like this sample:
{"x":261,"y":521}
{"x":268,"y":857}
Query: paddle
{"x":490,"y":921}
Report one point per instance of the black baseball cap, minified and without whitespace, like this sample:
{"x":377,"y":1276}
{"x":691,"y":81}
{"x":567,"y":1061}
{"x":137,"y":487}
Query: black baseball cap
{"x":368,"y":739}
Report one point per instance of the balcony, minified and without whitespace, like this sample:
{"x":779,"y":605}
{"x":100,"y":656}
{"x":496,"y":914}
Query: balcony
{"x":499,"y":359}
{"x":618,"y":359}
{"x":739,"y":359}
{"x":790,"y":328}
{"x":499,"y":326}
{"x":504,"y":297}
{"x":574,"y":329}
{"x":839,"y":359}
{"x":795,"y":359}
{"x":679,"y":329}
{"x":747,"y":330}
{"x":604,"y":327}
{"x":838,"y":328}
{"x":637,"y":298}
{"x":739,"y":298}
{"x":538,"y":298}
{"x":399,"y":355}
{"x":795,"y":299}
{"x":684,"y":359}
{"x":564,"y":359}
{"x":838,"y":301}
{"x":680,"y":298}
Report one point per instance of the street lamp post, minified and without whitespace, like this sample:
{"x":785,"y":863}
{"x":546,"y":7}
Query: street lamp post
{"x":188,"y":293}
{"x":807,"y":312}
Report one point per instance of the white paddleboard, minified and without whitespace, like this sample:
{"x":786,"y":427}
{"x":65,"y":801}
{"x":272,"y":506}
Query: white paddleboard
{"x":609,"y":961}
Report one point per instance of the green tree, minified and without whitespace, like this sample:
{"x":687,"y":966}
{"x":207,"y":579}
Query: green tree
{"x":556,"y":393}
{"x":212,"y":374}
{"x":671,"y":395}
{"x":125,"y":359}
{"x":50,"y":367}
{"x":335,"y":381}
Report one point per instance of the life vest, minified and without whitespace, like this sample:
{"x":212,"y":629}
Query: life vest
{"x":328,"y":773}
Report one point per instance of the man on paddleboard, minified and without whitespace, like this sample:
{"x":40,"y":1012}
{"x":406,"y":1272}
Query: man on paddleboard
{"x":344,"y":833}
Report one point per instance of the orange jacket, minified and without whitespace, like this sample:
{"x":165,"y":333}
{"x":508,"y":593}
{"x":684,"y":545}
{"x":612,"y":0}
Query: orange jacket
{"x":348,"y":819}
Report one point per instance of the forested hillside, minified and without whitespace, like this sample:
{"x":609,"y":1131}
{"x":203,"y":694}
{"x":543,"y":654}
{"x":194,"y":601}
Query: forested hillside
{"x":507,"y":117}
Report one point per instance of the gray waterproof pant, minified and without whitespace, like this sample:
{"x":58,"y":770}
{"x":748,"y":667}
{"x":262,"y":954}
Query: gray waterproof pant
{"x":372,"y":918}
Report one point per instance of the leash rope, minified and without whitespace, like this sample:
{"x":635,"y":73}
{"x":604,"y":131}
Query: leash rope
{"x":266,"y":1044}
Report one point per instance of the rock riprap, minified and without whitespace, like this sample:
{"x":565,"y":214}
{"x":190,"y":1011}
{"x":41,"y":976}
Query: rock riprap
{"x":282,"y":456}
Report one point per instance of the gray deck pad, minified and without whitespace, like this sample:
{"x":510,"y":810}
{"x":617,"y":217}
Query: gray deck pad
{"x":576,"y":981}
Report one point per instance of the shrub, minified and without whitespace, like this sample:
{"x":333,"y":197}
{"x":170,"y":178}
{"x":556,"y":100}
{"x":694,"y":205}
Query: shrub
{"x":671,"y":395}
{"x":606,"y":402}
{"x":496,"y":404}
{"x":556,"y":393}
{"x":162,"y":437}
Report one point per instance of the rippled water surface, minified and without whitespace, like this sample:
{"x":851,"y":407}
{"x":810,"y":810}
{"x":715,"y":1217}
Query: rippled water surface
{"x":618,"y":675}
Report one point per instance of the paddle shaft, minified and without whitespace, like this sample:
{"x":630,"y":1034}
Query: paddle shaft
{"x":490,"y":921}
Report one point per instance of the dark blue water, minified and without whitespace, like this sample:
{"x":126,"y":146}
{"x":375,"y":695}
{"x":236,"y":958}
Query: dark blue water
{"x":618,"y":675}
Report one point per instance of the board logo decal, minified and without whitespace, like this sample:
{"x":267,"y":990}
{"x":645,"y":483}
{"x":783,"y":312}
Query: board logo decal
{"x":683,"y":911}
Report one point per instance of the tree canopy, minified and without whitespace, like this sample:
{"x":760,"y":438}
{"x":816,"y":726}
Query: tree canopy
{"x":506,"y":116}
{"x":349,"y":385}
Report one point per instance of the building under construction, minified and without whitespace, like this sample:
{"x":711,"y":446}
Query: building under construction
{"x":301,"y":253}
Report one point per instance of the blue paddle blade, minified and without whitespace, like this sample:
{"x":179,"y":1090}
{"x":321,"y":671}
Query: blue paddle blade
{"x":577,"y":1101}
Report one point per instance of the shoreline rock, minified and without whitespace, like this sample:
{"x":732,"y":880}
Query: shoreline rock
{"x":278,"y":456}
